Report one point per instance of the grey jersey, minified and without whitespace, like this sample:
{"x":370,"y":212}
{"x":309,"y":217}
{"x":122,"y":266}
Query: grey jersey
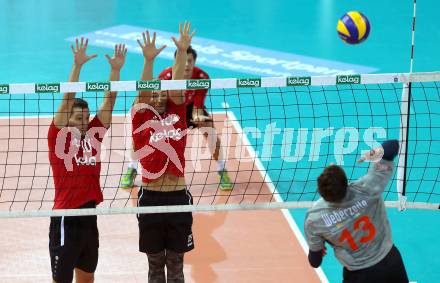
{"x":357,"y":227}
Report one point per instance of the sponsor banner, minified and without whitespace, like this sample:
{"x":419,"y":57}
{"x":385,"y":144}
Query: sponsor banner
{"x":198,"y":84}
{"x":298,"y":81}
{"x":249,"y":82}
{"x":47,"y":88}
{"x":97,"y":86}
{"x":348,"y":79}
{"x":4,"y":89}
{"x":148,"y":85}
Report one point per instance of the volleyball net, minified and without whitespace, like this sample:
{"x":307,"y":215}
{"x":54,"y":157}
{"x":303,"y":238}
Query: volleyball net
{"x":276,"y":136}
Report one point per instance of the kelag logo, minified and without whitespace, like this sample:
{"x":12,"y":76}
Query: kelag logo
{"x":348,"y":79}
{"x":48,"y":87}
{"x":4,"y":89}
{"x":198,"y":84}
{"x":298,"y":81}
{"x":249,"y":82}
{"x":148,"y":85}
{"x":98,"y":86}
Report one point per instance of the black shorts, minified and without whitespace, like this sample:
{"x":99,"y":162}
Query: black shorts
{"x":189,"y":110}
{"x":73,"y":243}
{"x":165,"y":231}
{"x":389,"y":269}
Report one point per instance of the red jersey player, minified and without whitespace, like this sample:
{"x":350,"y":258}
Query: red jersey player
{"x":74,"y":148}
{"x":159,"y":140}
{"x":196,"y":116}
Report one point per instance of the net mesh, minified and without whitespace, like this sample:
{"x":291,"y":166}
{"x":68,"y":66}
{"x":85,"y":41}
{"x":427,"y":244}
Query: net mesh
{"x":276,"y":140}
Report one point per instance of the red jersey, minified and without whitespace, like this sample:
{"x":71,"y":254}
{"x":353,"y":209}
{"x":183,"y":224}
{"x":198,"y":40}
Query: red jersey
{"x":160,"y":140}
{"x":196,"y":97}
{"x":76,"y":165}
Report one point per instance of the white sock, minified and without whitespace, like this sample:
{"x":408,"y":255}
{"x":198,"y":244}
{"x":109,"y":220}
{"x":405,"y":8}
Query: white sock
{"x":221,"y":165}
{"x":133,"y":165}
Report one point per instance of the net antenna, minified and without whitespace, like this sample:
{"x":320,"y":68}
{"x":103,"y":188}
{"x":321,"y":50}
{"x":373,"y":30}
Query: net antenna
{"x":404,"y":125}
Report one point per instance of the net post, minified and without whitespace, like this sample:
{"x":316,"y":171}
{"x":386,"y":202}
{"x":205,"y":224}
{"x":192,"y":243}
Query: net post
{"x":403,"y":154}
{"x":404,"y":123}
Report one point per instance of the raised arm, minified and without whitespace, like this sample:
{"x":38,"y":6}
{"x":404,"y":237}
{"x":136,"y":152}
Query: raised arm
{"x":80,"y":57}
{"x":150,"y":52}
{"x":182,"y":44}
{"x":116,"y":63}
{"x":381,"y":171}
{"x":198,"y":113}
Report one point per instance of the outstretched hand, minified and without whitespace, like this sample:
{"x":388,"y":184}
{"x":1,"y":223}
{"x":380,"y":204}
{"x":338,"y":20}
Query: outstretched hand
{"x":185,"y":37}
{"x":149,"y":49}
{"x":118,"y":59}
{"x":79,"y":52}
{"x":373,"y":155}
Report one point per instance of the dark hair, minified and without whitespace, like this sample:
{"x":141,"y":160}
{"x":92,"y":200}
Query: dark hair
{"x":332,"y":183}
{"x":190,"y":50}
{"x":80,"y":103}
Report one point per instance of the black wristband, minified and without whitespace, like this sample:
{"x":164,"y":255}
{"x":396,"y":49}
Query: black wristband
{"x":391,"y":149}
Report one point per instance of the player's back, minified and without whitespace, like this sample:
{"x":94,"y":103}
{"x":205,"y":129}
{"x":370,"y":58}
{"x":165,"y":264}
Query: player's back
{"x":358,"y":226}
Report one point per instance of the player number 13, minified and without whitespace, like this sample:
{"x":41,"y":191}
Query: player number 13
{"x":365,"y":225}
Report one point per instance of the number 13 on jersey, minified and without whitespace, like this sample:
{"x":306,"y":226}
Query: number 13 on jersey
{"x":363,"y":223}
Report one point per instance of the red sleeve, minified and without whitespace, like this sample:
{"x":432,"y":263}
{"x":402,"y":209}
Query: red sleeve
{"x":96,"y":123}
{"x":52,"y":136}
{"x":200,"y":94}
{"x":138,"y":118}
{"x":199,"y":98}
{"x":199,"y":74}
{"x":166,"y":74}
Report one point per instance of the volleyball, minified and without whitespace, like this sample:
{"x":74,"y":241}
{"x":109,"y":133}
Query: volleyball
{"x":353,"y":27}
